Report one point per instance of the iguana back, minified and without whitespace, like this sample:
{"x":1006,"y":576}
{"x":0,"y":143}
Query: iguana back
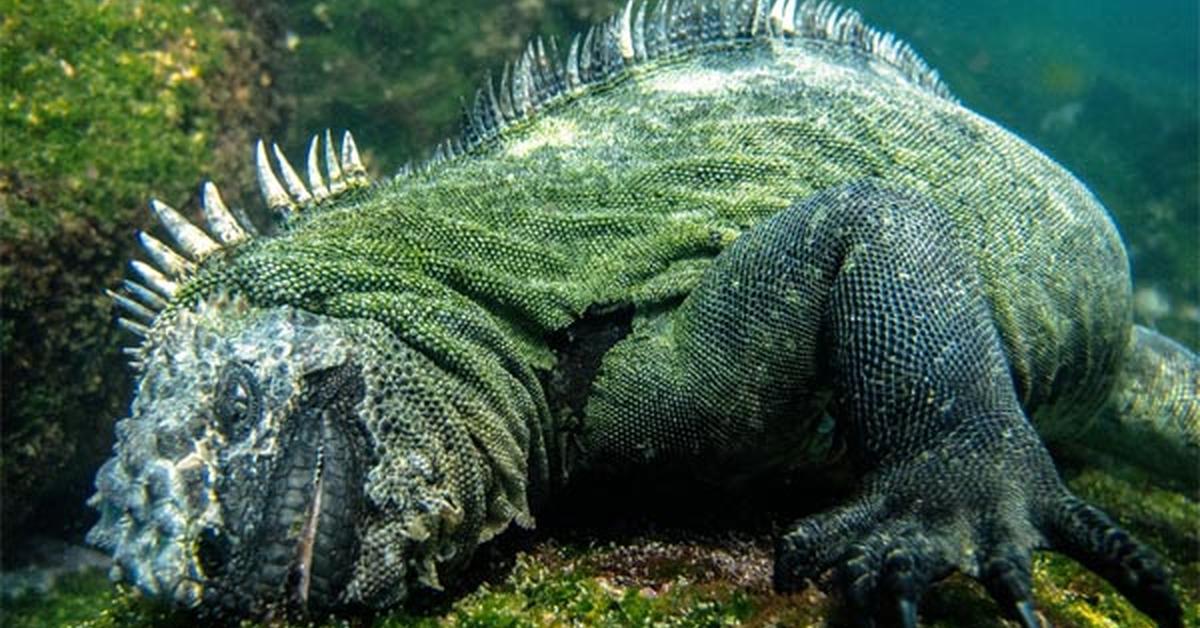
{"x":622,"y":189}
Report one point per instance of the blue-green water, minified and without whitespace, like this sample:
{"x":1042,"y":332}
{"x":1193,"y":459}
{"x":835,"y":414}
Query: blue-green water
{"x":1109,"y":89}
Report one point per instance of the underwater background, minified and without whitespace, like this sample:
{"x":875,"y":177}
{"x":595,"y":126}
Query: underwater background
{"x":108,"y":103}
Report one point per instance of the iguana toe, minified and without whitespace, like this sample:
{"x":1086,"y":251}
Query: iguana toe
{"x":1006,"y":575}
{"x":886,"y":574}
{"x":1084,"y":533}
{"x":816,"y":541}
{"x":981,"y":509}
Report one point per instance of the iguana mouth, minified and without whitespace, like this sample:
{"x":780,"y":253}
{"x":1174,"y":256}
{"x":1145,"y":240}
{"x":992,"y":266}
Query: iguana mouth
{"x":326,"y":539}
{"x":308,"y":542}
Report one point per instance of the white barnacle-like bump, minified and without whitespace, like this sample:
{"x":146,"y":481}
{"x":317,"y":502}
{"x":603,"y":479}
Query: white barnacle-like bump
{"x":555,"y":133}
{"x":694,"y":83}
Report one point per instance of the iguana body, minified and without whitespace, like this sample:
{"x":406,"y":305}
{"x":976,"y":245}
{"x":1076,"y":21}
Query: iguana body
{"x":714,"y":227}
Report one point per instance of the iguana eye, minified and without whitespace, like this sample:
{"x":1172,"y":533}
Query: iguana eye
{"x":239,"y":401}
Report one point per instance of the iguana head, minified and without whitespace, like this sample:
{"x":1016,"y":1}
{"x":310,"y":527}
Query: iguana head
{"x":274,"y":458}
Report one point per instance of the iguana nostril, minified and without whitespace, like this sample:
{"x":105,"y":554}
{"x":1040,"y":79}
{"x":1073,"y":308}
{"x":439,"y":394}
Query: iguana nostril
{"x":212,"y":551}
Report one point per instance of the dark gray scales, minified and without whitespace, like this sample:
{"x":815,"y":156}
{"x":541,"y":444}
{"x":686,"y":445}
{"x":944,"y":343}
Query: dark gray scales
{"x":862,"y":294}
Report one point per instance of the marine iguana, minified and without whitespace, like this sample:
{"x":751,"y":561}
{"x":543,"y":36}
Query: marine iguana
{"x":727,"y":237}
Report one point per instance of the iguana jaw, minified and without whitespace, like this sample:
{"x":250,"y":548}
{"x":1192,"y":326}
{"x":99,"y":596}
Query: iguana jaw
{"x":295,"y":550}
{"x":306,"y":544}
{"x":246,"y":426}
{"x":265,"y":449}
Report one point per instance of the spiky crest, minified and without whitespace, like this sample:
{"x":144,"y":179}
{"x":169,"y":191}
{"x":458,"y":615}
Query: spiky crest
{"x":636,"y":36}
{"x":639,"y":36}
{"x":152,"y":287}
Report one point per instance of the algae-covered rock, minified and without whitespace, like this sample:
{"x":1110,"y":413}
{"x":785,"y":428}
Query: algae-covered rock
{"x":105,"y":103}
{"x":627,"y":568}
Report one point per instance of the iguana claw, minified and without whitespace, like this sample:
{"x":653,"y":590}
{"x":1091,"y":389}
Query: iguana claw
{"x":1089,"y":536}
{"x":1027,"y":615}
{"x":917,"y":523}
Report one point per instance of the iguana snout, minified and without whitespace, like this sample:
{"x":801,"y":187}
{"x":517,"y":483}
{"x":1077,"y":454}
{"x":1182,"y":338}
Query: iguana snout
{"x":297,"y":547}
{"x":244,"y":479}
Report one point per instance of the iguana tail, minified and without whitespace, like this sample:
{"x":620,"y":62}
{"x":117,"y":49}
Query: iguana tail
{"x":1152,"y":418}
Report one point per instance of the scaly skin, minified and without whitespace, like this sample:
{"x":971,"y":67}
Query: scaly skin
{"x":690,"y":262}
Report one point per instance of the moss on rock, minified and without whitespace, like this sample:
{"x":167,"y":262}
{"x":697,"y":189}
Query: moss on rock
{"x":714,"y":575}
{"x":88,"y":599}
{"x":106,"y":102}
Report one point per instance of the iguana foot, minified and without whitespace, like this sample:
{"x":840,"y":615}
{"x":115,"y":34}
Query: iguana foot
{"x":979,"y":503}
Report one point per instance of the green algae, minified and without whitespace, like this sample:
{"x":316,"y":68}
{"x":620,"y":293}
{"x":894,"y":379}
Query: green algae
{"x":85,"y":77}
{"x":105,"y":103}
{"x":702,"y":578}
{"x":88,"y":599}
{"x":542,"y":591}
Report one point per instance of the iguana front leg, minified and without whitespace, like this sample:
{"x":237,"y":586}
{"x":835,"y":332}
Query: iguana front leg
{"x":955,"y":475}
{"x":864,"y":291}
